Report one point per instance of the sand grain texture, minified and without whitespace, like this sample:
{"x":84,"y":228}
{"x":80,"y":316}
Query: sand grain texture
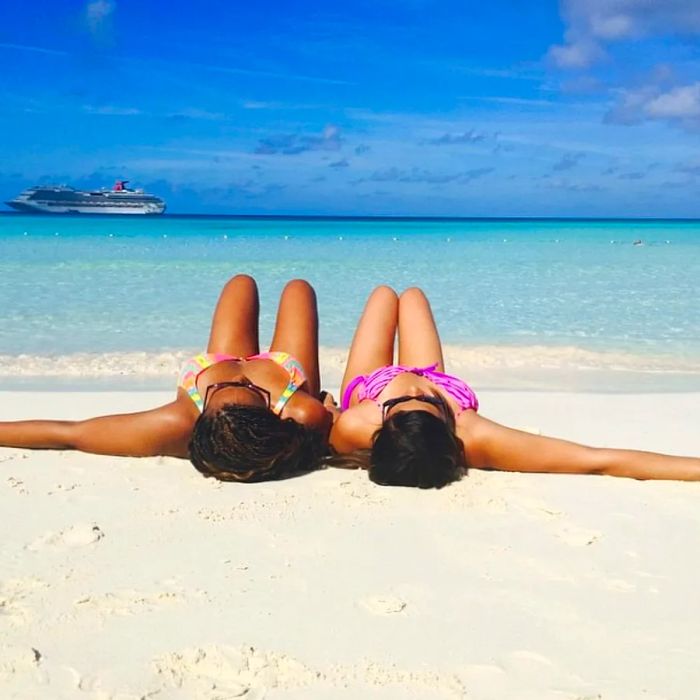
{"x":124,"y":578}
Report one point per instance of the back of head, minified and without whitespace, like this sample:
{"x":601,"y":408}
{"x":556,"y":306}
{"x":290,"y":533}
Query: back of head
{"x":250,"y":443}
{"x":415,"y":448}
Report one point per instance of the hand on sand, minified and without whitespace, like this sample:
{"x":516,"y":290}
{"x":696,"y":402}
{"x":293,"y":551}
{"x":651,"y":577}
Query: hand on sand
{"x":331,"y":405}
{"x":328,"y":399}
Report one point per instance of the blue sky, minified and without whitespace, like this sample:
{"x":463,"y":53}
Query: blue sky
{"x":507,"y":108}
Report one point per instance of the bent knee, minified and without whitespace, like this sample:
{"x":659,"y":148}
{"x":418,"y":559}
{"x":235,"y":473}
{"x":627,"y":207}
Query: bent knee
{"x":384,"y":293}
{"x":241,"y":280}
{"x":299,"y":286}
{"x":413,"y":294}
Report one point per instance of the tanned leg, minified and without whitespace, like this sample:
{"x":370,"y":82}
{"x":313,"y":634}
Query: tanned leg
{"x":419,"y":342}
{"x":373,"y":343}
{"x":234,"y":327}
{"x":296,"y":330}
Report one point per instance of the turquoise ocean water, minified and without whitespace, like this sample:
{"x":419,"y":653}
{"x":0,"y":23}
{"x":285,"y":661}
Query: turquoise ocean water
{"x":123,"y":285}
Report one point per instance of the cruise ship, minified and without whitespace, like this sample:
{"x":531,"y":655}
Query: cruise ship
{"x":60,"y":199}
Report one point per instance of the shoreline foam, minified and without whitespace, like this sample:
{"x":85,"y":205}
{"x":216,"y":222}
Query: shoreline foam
{"x":534,"y":367}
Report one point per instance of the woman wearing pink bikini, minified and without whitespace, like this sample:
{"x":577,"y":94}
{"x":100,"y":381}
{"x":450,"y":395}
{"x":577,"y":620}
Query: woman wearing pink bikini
{"x":238,"y":414}
{"x":413,"y":425}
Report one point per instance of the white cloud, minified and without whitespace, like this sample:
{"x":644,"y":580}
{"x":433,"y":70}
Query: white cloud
{"x":331,"y":132}
{"x":521,"y":101}
{"x":257,"y":104}
{"x":679,"y":103}
{"x":196,"y":113}
{"x":98,"y":14}
{"x":577,"y":53}
{"x":112,"y":110}
{"x":613,"y":26}
{"x":593,"y":23}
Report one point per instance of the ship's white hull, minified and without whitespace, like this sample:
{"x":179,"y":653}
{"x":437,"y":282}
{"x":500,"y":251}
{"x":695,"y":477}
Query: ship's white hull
{"x":77,"y":209}
{"x":61,"y":199}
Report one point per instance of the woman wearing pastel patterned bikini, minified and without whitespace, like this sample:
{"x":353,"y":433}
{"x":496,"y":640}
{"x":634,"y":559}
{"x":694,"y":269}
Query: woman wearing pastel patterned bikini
{"x":413,"y":425}
{"x":239,"y":414}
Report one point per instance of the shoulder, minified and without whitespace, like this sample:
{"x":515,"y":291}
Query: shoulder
{"x":354,"y":429}
{"x":175,"y":421}
{"x":476,"y":433}
{"x":183,"y":409}
{"x":308,"y":411}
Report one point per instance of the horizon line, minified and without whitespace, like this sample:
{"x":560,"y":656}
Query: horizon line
{"x":351,"y":217}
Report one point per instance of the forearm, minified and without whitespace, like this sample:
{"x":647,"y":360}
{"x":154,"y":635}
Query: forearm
{"x":488,"y":445}
{"x":635,"y":464}
{"x":38,"y":434}
{"x":161,"y":431}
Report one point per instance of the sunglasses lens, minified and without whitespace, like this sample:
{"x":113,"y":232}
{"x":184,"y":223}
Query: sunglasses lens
{"x":432,"y":400}
{"x":262,"y":393}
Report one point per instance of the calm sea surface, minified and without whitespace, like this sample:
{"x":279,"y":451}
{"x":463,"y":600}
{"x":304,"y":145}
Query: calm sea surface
{"x":121,"y":284}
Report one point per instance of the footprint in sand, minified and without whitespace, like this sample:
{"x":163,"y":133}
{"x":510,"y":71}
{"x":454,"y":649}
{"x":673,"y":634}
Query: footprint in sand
{"x":383,"y":605}
{"x":217,"y":672}
{"x":79,"y":535}
{"x":18,"y":485}
{"x":15,"y":595}
{"x":129,"y":602}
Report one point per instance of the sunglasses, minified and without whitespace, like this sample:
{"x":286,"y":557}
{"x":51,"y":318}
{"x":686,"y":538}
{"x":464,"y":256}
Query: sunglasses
{"x":243,"y":384}
{"x":432,"y":400}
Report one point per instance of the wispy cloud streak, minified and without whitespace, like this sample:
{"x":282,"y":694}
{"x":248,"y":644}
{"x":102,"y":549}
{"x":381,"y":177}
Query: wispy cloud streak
{"x":33,"y":49}
{"x":294,"y":144}
{"x":449,"y":139}
{"x":416,"y":175}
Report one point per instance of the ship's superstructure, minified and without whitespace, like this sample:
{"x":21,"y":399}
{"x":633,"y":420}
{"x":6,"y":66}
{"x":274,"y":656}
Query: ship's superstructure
{"x":60,"y":199}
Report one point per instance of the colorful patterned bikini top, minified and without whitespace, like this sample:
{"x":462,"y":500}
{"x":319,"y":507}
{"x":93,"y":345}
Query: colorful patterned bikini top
{"x":371,"y":385}
{"x":197,"y":364}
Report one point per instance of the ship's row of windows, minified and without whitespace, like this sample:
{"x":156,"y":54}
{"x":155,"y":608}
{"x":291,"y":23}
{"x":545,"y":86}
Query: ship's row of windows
{"x":120,"y":203}
{"x":69,"y":197}
{"x":74,"y":196}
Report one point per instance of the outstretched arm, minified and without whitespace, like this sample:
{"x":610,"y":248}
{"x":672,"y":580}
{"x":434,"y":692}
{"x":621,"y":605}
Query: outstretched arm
{"x":488,"y":445}
{"x":161,"y":431}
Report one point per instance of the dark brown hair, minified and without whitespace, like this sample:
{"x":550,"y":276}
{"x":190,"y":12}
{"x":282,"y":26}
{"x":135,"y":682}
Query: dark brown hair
{"x":250,"y":443}
{"x":415,"y":448}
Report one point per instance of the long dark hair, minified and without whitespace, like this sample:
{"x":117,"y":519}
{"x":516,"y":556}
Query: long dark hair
{"x":416,"y":448}
{"x":250,"y":443}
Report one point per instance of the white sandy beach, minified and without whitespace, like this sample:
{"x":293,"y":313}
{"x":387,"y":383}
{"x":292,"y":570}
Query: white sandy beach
{"x":126,"y":578}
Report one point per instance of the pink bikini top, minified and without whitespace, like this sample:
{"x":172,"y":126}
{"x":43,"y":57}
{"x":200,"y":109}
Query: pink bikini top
{"x":371,"y":385}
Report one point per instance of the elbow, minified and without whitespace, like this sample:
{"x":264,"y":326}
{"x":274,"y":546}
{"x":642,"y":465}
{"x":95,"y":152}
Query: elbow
{"x":66,"y":436}
{"x":610,"y":462}
{"x":599,"y":462}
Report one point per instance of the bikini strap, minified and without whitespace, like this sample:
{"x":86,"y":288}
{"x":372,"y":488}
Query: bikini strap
{"x":297,"y":377}
{"x":347,"y":395}
{"x":286,"y":394}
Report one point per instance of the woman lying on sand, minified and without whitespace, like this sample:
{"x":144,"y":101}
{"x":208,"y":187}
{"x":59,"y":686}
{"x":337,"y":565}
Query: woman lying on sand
{"x":239,"y":414}
{"x":412,"y":425}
